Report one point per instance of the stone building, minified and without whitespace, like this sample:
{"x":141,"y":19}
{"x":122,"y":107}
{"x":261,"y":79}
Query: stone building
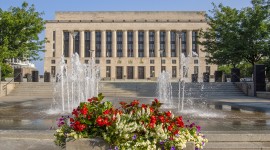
{"x":129,"y":45}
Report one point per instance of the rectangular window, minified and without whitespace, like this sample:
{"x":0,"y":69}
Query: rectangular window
{"x":119,"y":44}
{"x":173,"y":43}
{"x":152,"y":61}
{"x":194,"y":44}
{"x":163,"y":61}
{"x":163,"y":68}
{"x":108,"y":44}
{"x":87,"y":38}
{"x":53,"y":71}
{"x":208,"y":69}
{"x":141,"y":43}
{"x":173,"y":61}
{"x":162,"y":41}
{"x":184,"y":42}
{"x":66,"y":43}
{"x":86,"y":61}
{"x":98,"y":44}
{"x":196,"y":61}
{"x":141,"y":72}
{"x":152,"y":43}
{"x":77,"y":42}
{"x":196,"y":69}
{"x":52,"y":61}
{"x":174,"y":71}
{"x":130,"y":72}
{"x":108,"y":71}
{"x":54,"y":35}
{"x":152,"y":71}
{"x":130,"y":43}
{"x":108,"y":61}
{"x":97,"y":61}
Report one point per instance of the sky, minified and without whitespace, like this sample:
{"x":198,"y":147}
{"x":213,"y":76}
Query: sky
{"x":49,"y":7}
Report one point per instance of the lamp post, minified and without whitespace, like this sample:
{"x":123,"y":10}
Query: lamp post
{"x":161,"y":53}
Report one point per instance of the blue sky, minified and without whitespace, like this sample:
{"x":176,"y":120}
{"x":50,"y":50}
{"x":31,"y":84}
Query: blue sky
{"x":50,"y":6}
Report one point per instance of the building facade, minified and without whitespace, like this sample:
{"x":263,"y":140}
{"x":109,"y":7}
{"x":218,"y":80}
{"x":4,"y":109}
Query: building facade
{"x":129,"y":45}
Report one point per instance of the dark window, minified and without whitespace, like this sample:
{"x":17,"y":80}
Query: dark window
{"x":53,"y":61}
{"x":66,"y":44}
{"x":163,"y":68}
{"x":86,"y":61}
{"x":141,"y":43}
{"x":97,"y":61}
{"x":208,"y":69}
{"x":130,"y":72}
{"x":162,"y":42}
{"x":54,"y":35}
{"x":65,"y":61}
{"x":152,"y":71}
{"x":184,"y":42}
{"x":194,"y":44}
{"x":173,"y":44}
{"x":108,"y":71}
{"x":77,"y":42}
{"x":152,"y":43}
{"x":141,"y":72}
{"x":152,"y":61}
{"x":196,"y":70}
{"x":53,"y":45}
{"x":130,"y":43}
{"x":108,"y":44}
{"x":173,"y":61}
{"x":196,"y":61}
{"x":119,"y":44}
{"x":53,"y":53}
{"x":163,"y":61}
{"x":98,"y":44}
{"x":108,"y":61}
{"x":174,"y":71}
{"x":87,"y":38}
{"x":53,"y":71}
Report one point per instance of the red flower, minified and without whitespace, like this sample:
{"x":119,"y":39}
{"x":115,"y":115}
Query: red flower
{"x":99,"y":121}
{"x":84,"y":110}
{"x":161,"y":118}
{"x":156,"y":100}
{"x":170,"y":128}
{"x":144,"y":106}
{"x":151,"y":109}
{"x":71,"y":120}
{"x":175,"y":132}
{"x":179,"y":122}
{"x":153,"y":119}
{"x":135,"y":102}
{"x":78,"y":126}
{"x":168,"y":114}
{"x":75,"y":112}
{"x":106,"y":112}
{"x":151,"y":125}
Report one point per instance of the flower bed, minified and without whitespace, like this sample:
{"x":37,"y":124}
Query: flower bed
{"x":132,"y":125}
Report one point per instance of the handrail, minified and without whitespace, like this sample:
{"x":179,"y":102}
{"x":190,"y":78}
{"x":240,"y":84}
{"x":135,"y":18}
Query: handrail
{"x":5,"y":86}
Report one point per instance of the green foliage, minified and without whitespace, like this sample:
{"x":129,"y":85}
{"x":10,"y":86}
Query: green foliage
{"x":19,"y":29}
{"x":236,"y":36}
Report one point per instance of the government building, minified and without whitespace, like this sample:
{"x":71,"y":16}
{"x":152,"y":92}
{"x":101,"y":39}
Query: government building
{"x":129,"y":45}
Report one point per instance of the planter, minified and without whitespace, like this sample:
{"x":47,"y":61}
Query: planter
{"x":100,"y":144}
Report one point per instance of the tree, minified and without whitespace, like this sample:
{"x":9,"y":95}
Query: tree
{"x":19,"y":29}
{"x":236,"y":36}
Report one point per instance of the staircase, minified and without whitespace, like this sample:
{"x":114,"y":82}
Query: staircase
{"x":32,"y":89}
{"x":148,"y":89}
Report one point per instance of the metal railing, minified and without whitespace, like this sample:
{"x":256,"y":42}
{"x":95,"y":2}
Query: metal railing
{"x":5,"y":86}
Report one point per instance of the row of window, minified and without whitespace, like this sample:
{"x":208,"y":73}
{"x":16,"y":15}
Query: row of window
{"x":141,"y":71}
{"x":97,"y":61}
{"x":130,"y":41}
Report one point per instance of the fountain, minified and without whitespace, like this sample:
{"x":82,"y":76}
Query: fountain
{"x":164,"y":89}
{"x":181,"y":90}
{"x":75,"y":84}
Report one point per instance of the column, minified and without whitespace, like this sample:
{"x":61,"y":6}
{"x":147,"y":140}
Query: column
{"x":59,"y":42}
{"x":93,"y":42}
{"x":71,"y":44}
{"x":157,"y":43}
{"x":82,"y":44}
{"x":135,"y":72}
{"x":178,"y":43}
{"x":147,"y":72}
{"x":103,"y":43}
{"x":125,"y":52}
{"x":168,"y":43}
{"x":113,"y":72}
{"x":114,"y":44}
{"x":146,"y":43}
{"x":135,"y":43}
{"x":189,"y":43}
